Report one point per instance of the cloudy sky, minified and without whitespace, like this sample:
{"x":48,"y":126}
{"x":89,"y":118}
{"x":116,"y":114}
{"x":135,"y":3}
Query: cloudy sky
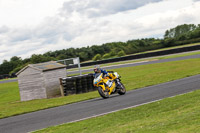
{"x":36,"y":26}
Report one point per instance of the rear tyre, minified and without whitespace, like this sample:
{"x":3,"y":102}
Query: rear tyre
{"x":122,"y":90}
{"x":103,"y":93}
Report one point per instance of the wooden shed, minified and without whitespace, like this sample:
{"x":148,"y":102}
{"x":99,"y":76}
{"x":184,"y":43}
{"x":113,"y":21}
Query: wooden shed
{"x":37,"y":81}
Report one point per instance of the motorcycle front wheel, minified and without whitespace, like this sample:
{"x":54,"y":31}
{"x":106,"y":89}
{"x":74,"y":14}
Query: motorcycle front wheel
{"x":103,"y":93}
{"x":122,"y":90}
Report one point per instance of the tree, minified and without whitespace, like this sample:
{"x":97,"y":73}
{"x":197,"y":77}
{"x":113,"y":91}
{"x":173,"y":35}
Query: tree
{"x":17,"y":69}
{"x":106,"y":56}
{"x":179,"y":30}
{"x":61,"y":57}
{"x":16,"y":61}
{"x":166,"y":34}
{"x":39,"y":58}
{"x":83,"y":56}
{"x":169,"y":42}
{"x":195,"y":33}
{"x":121,"y":53}
{"x":97,"y":57}
{"x":5,"y":67}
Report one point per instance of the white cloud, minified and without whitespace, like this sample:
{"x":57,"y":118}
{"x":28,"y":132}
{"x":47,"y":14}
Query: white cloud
{"x":15,"y":13}
{"x":87,"y":22}
{"x":96,"y":8}
{"x":3,"y":29}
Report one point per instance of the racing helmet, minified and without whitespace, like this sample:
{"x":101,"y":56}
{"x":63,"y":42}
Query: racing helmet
{"x":97,"y":69}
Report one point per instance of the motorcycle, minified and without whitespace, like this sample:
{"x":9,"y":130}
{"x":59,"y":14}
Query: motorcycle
{"x":107,"y":85}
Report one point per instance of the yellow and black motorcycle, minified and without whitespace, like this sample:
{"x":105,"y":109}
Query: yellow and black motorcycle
{"x":108,"y":85}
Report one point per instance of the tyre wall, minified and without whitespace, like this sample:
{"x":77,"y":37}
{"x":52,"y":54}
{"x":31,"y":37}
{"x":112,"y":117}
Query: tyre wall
{"x":77,"y":84}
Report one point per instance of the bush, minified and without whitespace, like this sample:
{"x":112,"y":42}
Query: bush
{"x":121,"y":53}
{"x":17,"y":69}
{"x":96,"y":57}
{"x":106,"y":56}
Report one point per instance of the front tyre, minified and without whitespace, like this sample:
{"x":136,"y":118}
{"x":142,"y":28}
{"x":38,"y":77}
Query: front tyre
{"x":103,"y":93}
{"x":122,"y":89}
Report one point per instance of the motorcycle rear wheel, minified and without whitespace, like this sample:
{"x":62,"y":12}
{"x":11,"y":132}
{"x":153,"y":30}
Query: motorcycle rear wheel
{"x":103,"y":93}
{"x":122,"y":90}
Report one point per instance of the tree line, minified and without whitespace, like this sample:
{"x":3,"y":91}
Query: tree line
{"x":181,"y":34}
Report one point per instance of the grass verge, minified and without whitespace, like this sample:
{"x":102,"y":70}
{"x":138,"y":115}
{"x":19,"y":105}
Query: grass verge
{"x":178,"y":114}
{"x":132,"y":77}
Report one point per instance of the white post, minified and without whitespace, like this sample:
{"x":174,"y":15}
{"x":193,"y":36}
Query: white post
{"x":79,"y":66}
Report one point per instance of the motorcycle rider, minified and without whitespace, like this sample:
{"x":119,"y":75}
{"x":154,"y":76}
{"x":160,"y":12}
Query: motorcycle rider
{"x":97,"y":69}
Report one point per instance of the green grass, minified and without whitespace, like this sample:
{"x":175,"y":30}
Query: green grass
{"x":140,"y":60}
{"x":180,"y":114}
{"x":9,"y":92}
{"x":132,"y":77}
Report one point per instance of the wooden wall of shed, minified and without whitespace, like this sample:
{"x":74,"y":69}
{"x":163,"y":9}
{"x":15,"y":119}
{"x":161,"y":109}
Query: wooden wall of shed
{"x":52,"y":82}
{"x":31,"y":84}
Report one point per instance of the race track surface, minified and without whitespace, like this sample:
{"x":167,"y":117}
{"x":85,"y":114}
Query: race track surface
{"x":95,"y":107}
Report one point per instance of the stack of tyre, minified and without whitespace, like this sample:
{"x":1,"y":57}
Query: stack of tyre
{"x":69,"y":85}
{"x":90,"y":79}
{"x":78,"y":84}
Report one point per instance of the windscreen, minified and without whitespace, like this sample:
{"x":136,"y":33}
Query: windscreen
{"x":97,"y":75}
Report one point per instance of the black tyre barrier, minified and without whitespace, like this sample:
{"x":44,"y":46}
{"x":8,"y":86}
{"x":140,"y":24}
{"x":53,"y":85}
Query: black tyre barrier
{"x":90,"y":83}
{"x":84,"y":84}
{"x":77,"y":84}
{"x":90,"y":86}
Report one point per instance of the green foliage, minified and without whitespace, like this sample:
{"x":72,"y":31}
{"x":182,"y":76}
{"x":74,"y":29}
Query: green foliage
{"x":17,"y":69}
{"x":121,"y":53}
{"x":97,"y":57}
{"x":83,"y":56}
{"x":182,"y":34}
{"x":180,"y":30}
{"x":39,"y":58}
{"x":8,"y":66}
{"x":112,"y":52}
{"x":106,"y":56}
{"x":61,"y":57}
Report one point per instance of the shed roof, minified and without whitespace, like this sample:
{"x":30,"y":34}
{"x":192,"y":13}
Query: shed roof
{"x":51,"y":65}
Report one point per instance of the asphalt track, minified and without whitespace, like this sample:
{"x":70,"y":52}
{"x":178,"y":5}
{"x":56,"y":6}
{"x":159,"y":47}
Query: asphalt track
{"x":96,"y":107}
{"x":9,"y":80}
